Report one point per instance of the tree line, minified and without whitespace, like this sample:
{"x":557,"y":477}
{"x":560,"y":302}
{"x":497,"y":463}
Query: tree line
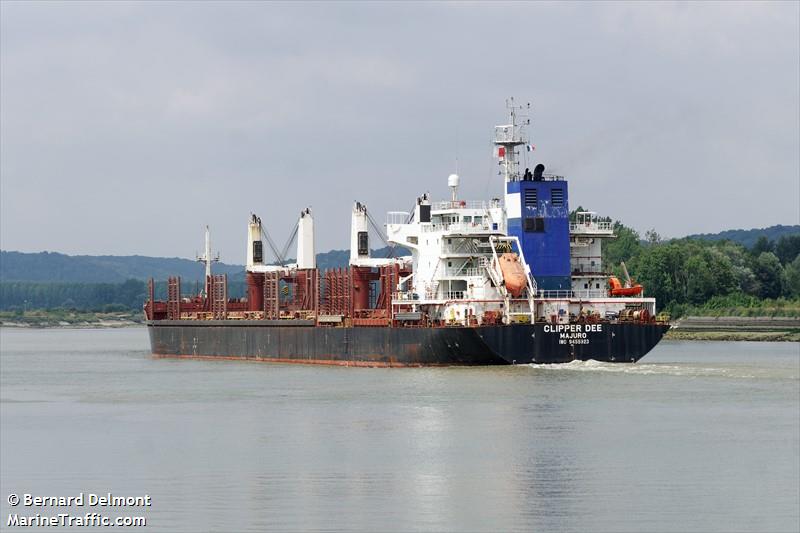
{"x":97,"y":297}
{"x":686,"y":273}
{"x":680,"y":274}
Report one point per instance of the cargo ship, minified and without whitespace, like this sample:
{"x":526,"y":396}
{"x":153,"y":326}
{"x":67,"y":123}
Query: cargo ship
{"x":511,"y":280}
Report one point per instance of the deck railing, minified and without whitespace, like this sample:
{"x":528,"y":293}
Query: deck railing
{"x":405,"y":296}
{"x":586,"y":268}
{"x":591,"y":227}
{"x":581,"y":294}
{"x":455,"y":295}
{"x":459,"y":204}
{"x":461,"y":227}
{"x":397,"y":217}
{"x":469,"y":271}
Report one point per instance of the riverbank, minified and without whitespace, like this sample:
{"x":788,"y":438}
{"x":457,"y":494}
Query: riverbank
{"x":732,"y":336}
{"x":736,"y":328}
{"x":69,"y":319}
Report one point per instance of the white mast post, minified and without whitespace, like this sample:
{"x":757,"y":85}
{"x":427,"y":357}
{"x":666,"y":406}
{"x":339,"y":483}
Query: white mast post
{"x":207,"y":259}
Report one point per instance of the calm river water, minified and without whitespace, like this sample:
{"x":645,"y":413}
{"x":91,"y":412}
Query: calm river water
{"x":698,"y":436}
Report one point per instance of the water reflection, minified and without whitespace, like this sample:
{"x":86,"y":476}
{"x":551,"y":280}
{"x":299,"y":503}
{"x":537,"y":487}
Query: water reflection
{"x":674,"y":443}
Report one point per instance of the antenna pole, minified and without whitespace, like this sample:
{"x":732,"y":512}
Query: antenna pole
{"x":507,"y":137}
{"x":207,"y":259}
{"x":208,"y":253}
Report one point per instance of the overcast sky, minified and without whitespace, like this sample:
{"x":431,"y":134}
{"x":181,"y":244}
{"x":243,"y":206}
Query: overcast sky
{"x":126,"y":127}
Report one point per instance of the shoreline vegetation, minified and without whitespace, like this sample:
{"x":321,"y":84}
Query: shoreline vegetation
{"x":736,"y":285}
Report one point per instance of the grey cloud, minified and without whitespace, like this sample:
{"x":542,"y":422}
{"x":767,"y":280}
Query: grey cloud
{"x":125,"y":128}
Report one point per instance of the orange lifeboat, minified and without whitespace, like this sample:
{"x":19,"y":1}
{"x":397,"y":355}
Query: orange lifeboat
{"x":618,"y":290}
{"x":513,"y":274}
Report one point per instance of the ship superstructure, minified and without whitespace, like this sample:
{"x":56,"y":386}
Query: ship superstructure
{"x":457,"y":275}
{"x":487,"y":282}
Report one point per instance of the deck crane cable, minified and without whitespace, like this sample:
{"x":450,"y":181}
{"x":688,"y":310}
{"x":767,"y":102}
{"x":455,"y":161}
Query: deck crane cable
{"x":292,"y":237}
{"x":380,"y":234}
{"x":272,"y":246}
{"x":410,"y":218}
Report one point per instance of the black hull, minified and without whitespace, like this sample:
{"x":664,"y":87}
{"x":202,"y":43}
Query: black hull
{"x":302,"y":342}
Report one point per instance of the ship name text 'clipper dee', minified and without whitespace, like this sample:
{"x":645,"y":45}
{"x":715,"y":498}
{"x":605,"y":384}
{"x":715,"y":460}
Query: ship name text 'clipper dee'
{"x":511,"y":281}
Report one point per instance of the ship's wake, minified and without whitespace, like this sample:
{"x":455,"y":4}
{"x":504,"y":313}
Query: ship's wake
{"x":692,"y":370}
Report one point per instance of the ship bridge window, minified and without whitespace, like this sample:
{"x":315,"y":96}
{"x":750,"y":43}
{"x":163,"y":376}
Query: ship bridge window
{"x":531,"y":198}
{"x":557,"y":197}
{"x":534,"y":224}
{"x":468,"y":220}
{"x":478,"y":219}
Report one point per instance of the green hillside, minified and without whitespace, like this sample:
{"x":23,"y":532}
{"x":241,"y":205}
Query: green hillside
{"x":50,"y":280}
{"x":749,"y":237}
{"x":53,"y":267}
{"x":701,"y":274}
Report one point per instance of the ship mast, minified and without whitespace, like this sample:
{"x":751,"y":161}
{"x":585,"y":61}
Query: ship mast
{"x":508,"y":136}
{"x":207,"y":259}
